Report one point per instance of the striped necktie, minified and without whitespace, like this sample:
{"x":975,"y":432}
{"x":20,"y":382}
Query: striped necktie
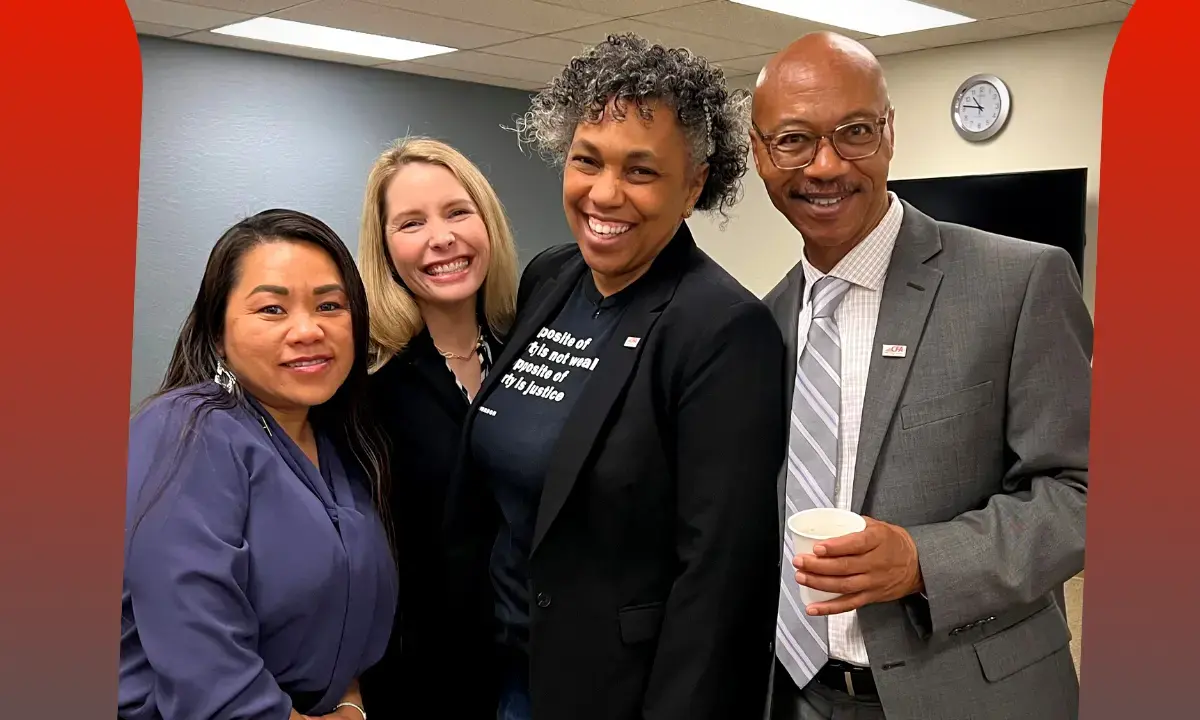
{"x":802,"y":642}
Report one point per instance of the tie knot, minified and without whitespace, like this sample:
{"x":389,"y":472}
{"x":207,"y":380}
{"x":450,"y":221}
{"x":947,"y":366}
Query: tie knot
{"x":827,"y":294}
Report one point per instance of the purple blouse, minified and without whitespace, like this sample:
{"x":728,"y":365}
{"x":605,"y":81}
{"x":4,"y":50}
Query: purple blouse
{"x":255,"y":582}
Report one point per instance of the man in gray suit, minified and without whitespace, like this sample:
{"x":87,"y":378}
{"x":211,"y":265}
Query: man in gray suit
{"x":940,"y":381}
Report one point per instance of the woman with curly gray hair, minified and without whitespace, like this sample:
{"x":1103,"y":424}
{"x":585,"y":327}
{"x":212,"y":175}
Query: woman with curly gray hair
{"x":615,"y":521}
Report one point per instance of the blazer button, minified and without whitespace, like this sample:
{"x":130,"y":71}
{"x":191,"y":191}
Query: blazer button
{"x":543,"y":600}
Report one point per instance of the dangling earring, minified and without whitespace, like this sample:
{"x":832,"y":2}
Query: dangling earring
{"x":224,"y":378}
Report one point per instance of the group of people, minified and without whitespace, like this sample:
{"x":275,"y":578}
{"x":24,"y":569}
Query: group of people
{"x":421,"y":483}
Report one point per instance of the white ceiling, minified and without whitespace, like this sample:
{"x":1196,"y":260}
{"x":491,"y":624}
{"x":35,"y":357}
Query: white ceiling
{"x":524,"y":43}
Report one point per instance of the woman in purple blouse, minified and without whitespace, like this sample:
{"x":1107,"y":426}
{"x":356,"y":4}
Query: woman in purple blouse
{"x":259,"y":578}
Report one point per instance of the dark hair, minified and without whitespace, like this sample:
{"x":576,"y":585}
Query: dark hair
{"x":194,"y":362}
{"x":628,"y":68}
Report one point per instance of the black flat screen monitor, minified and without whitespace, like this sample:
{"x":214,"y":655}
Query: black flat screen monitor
{"x":1045,"y":206}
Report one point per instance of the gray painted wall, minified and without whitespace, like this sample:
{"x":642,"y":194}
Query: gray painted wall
{"x":226,"y":133}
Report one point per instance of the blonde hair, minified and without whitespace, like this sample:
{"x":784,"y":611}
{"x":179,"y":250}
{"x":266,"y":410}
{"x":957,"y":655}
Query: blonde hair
{"x":395,"y":317}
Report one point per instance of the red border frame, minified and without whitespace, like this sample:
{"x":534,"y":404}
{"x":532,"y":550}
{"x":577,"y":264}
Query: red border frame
{"x":72,"y":123}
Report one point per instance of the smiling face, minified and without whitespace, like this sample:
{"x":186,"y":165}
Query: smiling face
{"x":288,"y":334}
{"x":436,"y":237}
{"x":628,"y":184}
{"x":833,"y":202}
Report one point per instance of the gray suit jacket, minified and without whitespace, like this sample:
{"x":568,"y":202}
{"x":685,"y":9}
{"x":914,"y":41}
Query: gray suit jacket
{"x":976,"y":442}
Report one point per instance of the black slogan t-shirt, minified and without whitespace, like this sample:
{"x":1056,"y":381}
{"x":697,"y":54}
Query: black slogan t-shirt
{"x":516,"y":429}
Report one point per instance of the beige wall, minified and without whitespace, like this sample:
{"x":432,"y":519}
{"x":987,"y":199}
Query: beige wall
{"x":1057,"y":82}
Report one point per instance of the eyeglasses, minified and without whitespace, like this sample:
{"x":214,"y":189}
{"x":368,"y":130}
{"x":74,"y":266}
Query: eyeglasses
{"x":796,"y":149}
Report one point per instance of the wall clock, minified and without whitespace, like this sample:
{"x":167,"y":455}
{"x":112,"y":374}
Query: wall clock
{"x":980,"y":107}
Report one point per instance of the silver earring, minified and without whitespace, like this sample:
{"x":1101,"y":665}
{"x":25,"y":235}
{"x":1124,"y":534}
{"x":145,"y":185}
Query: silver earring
{"x":224,"y":378}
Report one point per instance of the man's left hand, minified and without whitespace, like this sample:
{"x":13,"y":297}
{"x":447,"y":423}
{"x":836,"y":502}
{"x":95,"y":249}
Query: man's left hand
{"x":876,"y":565}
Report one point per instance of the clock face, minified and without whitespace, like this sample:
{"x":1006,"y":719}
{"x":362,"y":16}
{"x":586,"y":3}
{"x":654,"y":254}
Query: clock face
{"x":978,"y":107}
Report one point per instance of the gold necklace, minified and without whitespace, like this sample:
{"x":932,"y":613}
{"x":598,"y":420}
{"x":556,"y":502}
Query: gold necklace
{"x":453,"y":356}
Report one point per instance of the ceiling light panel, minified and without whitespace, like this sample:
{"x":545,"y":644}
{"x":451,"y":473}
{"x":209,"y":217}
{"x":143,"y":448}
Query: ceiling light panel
{"x":875,"y":17}
{"x":320,"y":37}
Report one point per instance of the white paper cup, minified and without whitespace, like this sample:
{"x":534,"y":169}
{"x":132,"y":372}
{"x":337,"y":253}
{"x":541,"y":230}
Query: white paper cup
{"x":808,"y":527}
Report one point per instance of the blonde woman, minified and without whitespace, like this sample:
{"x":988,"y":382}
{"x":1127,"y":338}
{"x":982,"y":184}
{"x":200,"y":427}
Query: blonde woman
{"x":440,"y":268}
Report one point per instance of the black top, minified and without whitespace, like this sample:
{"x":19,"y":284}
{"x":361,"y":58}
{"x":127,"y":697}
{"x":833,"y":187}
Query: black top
{"x":420,"y":406}
{"x":655,"y":556}
{"x":518,"y":426}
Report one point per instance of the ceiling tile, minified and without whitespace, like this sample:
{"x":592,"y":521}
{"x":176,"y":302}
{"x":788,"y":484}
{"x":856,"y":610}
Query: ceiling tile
{"x":893,"y":44}
{"x":250,"y":7}
{"x":524,"y":43}
{"x":734,"y":22}
{"x":1097,"y":13}
{"x":453,"y":74}
{"x":742,"y":81}
{"x":967,"y":33}
{"x":988,"y":9}
{"x":544,"y":49}
{"x":177,"y":14}
{"x":144,"y":28}
{"x":1092,"y":13}
{"x":208,"y":38}
{"x":751,"y":64}
{"x":623,"y":8}
{"x":528,"y":16}
{"x":371,"y":18}
{"x":485,"y":64}
{"x":714,"y":49}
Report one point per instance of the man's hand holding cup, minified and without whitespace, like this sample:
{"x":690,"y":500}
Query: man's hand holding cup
{"x":844,"y":561}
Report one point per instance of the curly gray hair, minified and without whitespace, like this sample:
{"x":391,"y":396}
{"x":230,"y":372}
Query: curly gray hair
{"x":628,"y":68}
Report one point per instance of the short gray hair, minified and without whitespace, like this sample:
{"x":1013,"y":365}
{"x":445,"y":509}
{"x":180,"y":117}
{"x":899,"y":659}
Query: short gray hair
{"x":628,"y":68}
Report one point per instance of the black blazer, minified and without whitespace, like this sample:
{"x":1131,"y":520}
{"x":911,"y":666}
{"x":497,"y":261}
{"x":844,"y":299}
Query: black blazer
{"x":421,"y":411}
{"x":655,"y":559}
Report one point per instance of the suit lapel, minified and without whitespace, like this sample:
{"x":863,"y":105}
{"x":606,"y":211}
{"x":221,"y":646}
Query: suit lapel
{"x":786,"y":308}
{"x":608,"y":381}
{"x":468,"y":502}
{"x":785,"y":305}
{"x":554,"y":295}
{"x":908,"y":295}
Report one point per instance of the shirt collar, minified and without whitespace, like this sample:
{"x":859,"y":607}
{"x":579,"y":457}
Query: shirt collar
{"x":866,"y":265}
